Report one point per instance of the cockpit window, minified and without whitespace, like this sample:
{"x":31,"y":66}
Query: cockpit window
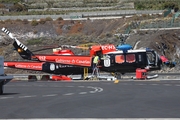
{"x":130,"y":58}
{"x":150,"y":58}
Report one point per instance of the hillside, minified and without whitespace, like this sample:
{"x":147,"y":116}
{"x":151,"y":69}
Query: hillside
{"x":60,"y":32}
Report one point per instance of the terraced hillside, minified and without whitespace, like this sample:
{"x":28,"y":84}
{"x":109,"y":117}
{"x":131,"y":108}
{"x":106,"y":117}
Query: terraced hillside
{"x":73,"y":3}
{"x":81,"y":32}
{"x":140,"y":4}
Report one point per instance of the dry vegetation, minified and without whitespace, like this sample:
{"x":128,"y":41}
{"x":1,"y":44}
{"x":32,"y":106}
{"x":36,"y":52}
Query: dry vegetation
{"x":48,"y":33}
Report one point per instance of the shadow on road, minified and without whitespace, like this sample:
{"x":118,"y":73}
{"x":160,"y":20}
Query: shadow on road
{"x":9,"y":94}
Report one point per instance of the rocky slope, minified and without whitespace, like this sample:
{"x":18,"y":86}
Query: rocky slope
{"x":60,"y":32}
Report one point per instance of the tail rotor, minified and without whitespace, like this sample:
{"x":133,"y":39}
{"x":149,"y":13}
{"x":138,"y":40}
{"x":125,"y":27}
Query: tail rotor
{"x":24,"y":52}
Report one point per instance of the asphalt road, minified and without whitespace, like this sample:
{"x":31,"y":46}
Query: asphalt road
{"x":104,"y":99}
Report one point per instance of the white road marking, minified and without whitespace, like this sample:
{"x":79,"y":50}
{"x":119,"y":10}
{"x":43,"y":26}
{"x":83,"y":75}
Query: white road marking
{"x":82,"y":93}
{"x":141,"y":84}
{"x":95,"y":90}
{"x":154,"y":84}
{"x":100,"y":90}
{"x":89,"y":87}
{"x":27,"y":96}
{"x":92,"y":91}
{"x":167,"y":84}
{"x":51,"y":95}
{"x":6,"y":97}
{"x":39,"y":85}
{"x":68,"y":94}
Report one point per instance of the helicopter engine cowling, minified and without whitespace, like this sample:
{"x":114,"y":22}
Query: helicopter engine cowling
{"x":58,"y":51}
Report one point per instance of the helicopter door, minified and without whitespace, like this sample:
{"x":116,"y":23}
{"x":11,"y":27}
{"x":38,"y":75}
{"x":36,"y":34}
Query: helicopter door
{"x":141,"y":59}
{"x":107,"y":61}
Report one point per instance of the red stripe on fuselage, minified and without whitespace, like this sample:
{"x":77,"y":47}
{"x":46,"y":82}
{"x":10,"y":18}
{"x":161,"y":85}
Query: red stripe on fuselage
{"x":24,"y":65}
{"x":67,"y":59}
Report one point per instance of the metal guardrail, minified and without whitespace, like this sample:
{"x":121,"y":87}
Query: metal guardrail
{"x":83,"y":14}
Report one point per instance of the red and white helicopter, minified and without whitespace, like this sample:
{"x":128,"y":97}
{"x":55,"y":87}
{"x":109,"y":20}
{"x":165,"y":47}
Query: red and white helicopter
{"x":122,"y":59}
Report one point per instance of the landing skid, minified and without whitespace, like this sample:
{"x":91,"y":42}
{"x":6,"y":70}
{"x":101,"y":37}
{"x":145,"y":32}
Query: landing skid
{"x":108,"y":78}
{"x":147,"y":77}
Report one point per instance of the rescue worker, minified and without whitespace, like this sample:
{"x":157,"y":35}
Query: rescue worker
{"x":96,"y":61}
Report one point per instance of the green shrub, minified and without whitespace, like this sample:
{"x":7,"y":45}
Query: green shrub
{"x":25,"y":21}
{"x":18,"y":8}
{"x":35,"y":31}
{"x":10,"y":1}
{"x":34,"y":23}
{"x":108,"y":35}
{"x":176,"y":8}
{"x":139,"y":6}
{"x":42,"y":21}
{"x":60,"y":18}
{"x":18,"y":20}
{"x":169,"y":5}
{"x":34,"y":42}
{"x":49,"y":19}
{"x":2,"y":5}
{"x":9,"y":21}
{"x":2,"y":22}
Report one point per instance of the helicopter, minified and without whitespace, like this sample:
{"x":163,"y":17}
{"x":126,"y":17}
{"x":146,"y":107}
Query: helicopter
{"x":121,"y":59}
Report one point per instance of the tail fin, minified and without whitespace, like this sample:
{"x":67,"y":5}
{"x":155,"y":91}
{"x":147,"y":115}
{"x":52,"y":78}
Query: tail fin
{"x":23,"y":51}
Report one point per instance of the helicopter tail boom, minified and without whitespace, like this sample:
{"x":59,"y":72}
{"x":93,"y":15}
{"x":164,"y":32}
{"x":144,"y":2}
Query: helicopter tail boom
{"x":23,"y":50}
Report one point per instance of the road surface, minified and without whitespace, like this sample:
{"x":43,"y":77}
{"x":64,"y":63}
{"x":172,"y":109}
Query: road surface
{"x":104,"y":99}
